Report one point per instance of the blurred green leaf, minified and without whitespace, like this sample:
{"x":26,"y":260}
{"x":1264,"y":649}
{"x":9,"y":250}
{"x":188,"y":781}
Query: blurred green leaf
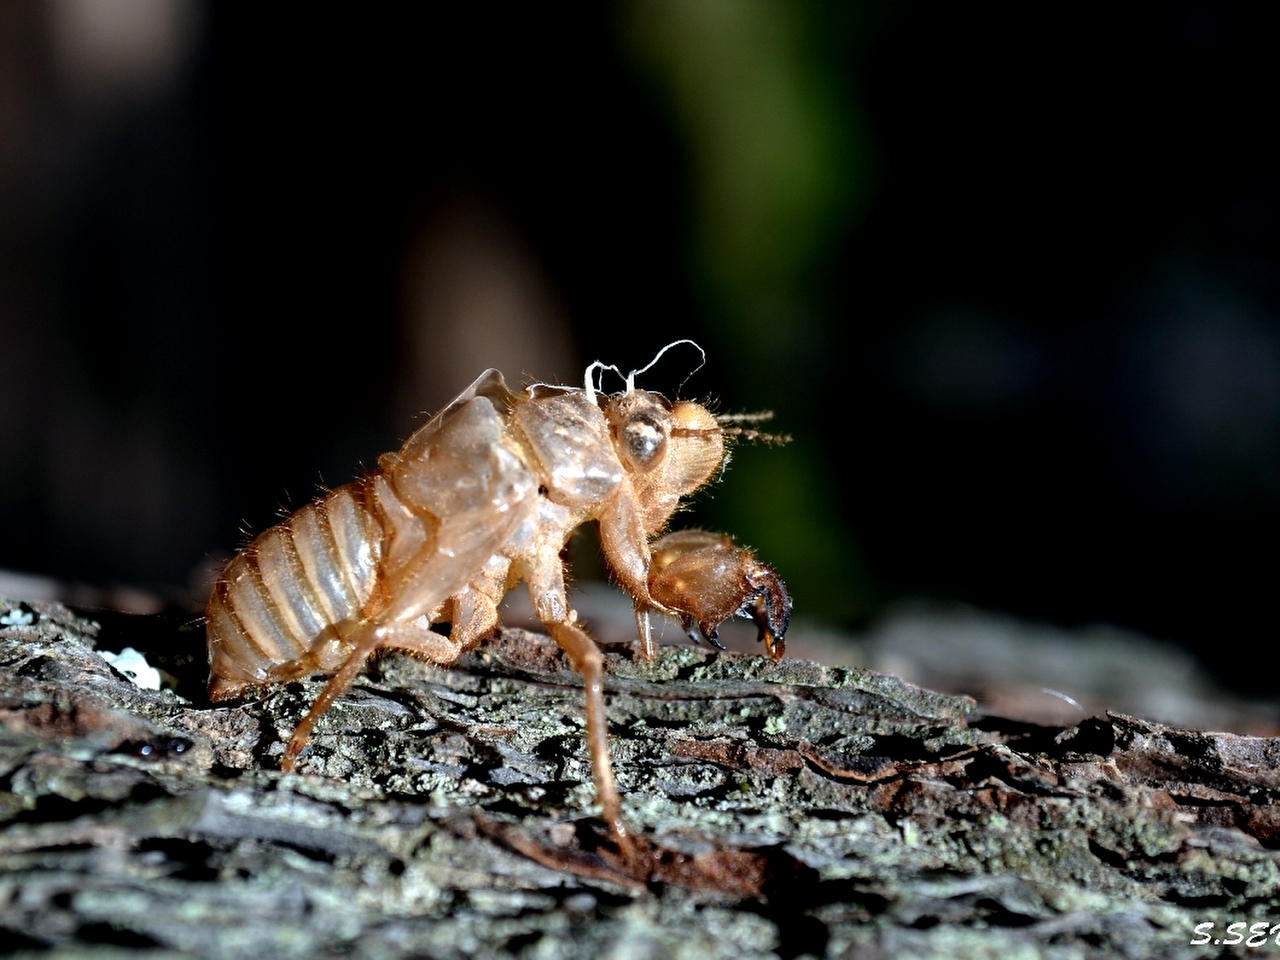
{"x":778,"y":166}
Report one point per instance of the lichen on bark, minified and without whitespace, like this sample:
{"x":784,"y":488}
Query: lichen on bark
{"x":790,"y":809}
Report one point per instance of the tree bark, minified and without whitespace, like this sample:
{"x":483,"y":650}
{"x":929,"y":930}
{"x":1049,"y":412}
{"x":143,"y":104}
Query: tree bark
{"x":786,"y":809}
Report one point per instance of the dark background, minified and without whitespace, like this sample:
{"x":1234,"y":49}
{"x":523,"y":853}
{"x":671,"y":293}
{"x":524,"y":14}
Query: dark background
{"x":1008,"y":276}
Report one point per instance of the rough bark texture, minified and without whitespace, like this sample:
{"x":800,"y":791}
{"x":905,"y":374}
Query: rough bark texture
{"x":789,"y":809}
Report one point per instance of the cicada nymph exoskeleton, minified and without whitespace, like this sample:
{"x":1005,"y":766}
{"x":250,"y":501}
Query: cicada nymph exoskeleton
{"x":483,"y":496}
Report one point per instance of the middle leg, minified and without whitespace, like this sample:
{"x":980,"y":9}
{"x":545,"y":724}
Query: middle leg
{"x":588,"y":661}
{"x":547,"y":592}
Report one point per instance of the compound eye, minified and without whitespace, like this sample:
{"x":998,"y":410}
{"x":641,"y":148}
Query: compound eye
{"x":644,"y":443}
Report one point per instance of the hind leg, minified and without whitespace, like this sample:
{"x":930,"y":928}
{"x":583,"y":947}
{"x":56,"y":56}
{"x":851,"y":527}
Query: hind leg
{"x":475,"y":615}
{"x":367,"y":640}
{"x":416,"y":638}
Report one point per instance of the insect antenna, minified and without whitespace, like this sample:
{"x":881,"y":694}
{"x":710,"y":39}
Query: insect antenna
{"x":756,"y":435}
{"x":749,"y":433}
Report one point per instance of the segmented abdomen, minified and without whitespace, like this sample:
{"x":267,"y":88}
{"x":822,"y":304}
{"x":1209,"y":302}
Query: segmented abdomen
{"x":271,"y":614}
